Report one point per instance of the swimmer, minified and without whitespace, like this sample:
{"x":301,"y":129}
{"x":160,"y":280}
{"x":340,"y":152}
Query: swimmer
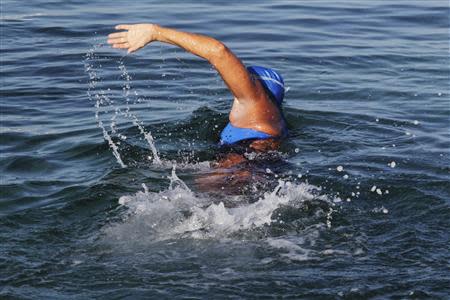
{"x":256,"y":117}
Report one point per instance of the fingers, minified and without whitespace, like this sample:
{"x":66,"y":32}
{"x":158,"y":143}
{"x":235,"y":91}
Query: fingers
{"x":121,"y":46}
{"x":117,"y":35}
{"x":123,"y":26}
{"x":117,"y":38}
{"x":130,"y":50}
{"x":117,"y":41}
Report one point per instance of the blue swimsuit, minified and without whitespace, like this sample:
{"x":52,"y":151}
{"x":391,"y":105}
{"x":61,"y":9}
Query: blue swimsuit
{"x":274,"y":85}
{"x":231,"y":135}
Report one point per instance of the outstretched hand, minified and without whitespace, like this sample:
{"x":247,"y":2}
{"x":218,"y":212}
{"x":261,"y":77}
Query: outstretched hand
{"x":134,"y":38}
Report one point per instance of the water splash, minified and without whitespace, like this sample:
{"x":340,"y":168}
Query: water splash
{"x":103,"y":100}
{"x":176,"y":181}
{"x":100,"y":98}
{"x":179,"y":212}
{"x":126,"y":92}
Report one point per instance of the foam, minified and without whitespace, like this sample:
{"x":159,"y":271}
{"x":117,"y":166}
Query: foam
{"x":178,"y":212}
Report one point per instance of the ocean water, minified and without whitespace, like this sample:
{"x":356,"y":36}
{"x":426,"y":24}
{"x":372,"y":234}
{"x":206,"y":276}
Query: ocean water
{"x":107,"y":189}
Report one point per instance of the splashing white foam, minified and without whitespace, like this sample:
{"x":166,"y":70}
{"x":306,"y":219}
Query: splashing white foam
{"x":179,"y":212}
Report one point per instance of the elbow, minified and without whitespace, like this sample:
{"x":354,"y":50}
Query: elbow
{"x":218,"y":52}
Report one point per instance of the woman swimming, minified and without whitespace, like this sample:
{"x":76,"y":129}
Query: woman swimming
{"x":256,"y":117}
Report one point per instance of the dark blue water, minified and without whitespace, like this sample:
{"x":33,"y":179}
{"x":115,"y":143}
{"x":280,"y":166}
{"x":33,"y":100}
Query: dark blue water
{"x":355,"y":205}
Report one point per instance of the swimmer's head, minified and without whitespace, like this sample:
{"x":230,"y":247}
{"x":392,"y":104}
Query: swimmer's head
{"x":271,"y":80}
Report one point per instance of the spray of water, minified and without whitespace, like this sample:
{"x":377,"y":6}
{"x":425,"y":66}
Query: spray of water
{"x":102,"y":100}
{"x":126,"y":92}
{"x":178,"y":211}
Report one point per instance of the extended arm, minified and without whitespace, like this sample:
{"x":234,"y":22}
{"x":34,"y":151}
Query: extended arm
{"x":229,"y":66}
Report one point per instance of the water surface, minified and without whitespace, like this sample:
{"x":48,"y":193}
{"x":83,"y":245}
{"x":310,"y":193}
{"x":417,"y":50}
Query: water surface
{"x":355,"y":205}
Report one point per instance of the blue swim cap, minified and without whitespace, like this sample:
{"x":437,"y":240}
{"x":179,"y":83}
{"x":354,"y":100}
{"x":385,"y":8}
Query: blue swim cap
{"x":271,"y":81}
